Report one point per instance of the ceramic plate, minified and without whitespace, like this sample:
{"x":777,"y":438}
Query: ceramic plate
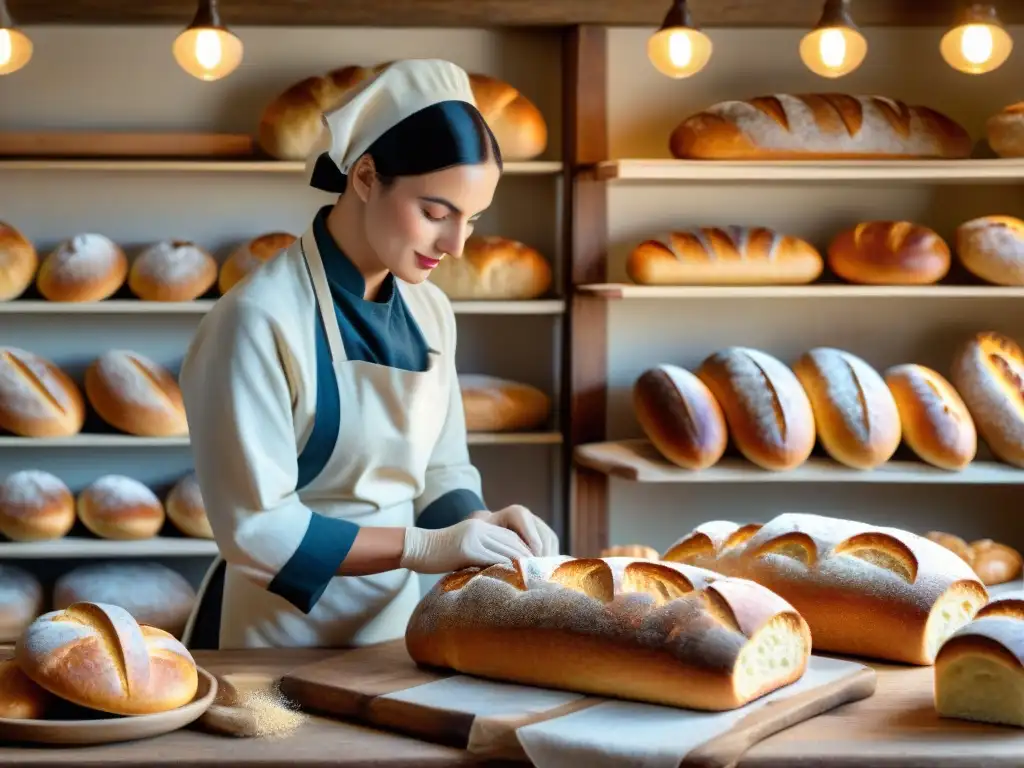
{"x":103,"y":729}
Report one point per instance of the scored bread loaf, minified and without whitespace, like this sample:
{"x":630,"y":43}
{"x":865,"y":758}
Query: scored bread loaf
{"x":292,"y":123}
{"x":994,"y":563}
{"x":21,"y":600}
{"x":889,"y":253}
{"x":632,"y":629}
{"x":493,"y":268}
{"x":988,"y":372}
{"x":493,"y":404}
{"x":119,"y":507}
{"x":818,"y":126}
{"x":724,"y":256}
{"x":97,"y":656}
{"x":680,"y":416}
{"x":250,"y":255}
{"x":37,"y":399}
{"x":87,"y":267}
{"x":185,"y":508}
{"x":135,"y":395}
{"x":18,"y":262}
{"x":855,"y":414}
{"x":766,"y":409}
{"x":864,"y":590}
{"x":979,"y":671}
{"x":35,"y":506}
{"x":172,"y":270}
{"x":992,"y":248}
{"x":20,"y":698}
{"x":1005,"y":131}
{"x":936,"y":424}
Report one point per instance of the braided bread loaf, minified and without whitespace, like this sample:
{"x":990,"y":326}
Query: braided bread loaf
{"x":633,"y":629}
{"x":864,"y":590}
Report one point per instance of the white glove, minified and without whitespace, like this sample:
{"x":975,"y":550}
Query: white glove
{"x":537,"y":534}
{"x":471,"y":542}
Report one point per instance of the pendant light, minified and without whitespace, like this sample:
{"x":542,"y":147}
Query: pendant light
{"x":835,"y":47}
{"x":978,"y":43}
{"x":678,"y":49}
{"x":207,"y":50}
{"x":15,"y":45}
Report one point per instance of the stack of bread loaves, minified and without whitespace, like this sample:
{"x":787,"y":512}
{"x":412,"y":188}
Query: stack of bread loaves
{"x":994,"y":563}
{"x":95,"y":656}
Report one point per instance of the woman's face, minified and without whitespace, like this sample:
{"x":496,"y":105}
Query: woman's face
{"x":419,"y":220}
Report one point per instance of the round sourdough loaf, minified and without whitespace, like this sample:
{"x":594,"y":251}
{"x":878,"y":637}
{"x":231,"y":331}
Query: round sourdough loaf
{"x":493,"y":404}
{"x":18,"y":262}
{"x":20,"y":698}
{"x":21,"y":600}
{"x":1005,"y":131}
{"x":889,"y":253}
{"x":186,"y":509}
{"x":35,"y":506}
{"x":680,"y":416}
{"x":37,"y":399}
{"x":135,"y":395}
{"x":87,"y":267}
{"x":992,"y":248}
{"x":248,"y":256}
{"x":172,"y":270}
{"x":119,"y":507}
{"x":493,"y":268}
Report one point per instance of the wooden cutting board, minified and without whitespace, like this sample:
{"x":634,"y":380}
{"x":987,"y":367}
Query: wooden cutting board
{"x":380,"y":685}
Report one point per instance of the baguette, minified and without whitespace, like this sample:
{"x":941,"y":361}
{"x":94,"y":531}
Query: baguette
{"x":818,"y":126}
{"x":37,"y":399}
{"x":724,"y":256}
{"x":633,"y":629}
{"x":864,"y":590}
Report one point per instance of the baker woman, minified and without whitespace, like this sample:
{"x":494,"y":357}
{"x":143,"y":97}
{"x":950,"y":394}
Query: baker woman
{"x":324,"y":411}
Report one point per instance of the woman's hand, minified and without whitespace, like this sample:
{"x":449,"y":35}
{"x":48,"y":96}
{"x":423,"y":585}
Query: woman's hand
{"x":471,"y":542}
{"x":538,"y":536}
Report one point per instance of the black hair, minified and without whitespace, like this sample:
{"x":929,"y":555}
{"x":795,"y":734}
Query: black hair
{"x":440,"y":136}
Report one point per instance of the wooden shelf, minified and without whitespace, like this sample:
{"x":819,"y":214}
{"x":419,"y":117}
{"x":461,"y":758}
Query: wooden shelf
{"x":202,"y":306}
{"x":812,"y":291}
{"x":129,"y":441}
{"x":74,"y":546}
{"x":951,"y":171}
{"x":522,"y":168}
{"x":514,"y":438}
{"x":639,"y":461}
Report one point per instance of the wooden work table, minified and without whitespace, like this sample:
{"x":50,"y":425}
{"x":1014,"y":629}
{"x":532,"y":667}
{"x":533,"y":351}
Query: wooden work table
{"x":895,"y":727}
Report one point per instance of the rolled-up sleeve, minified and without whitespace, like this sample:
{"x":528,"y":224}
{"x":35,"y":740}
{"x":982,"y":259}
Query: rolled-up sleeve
{"x":238,"y":398}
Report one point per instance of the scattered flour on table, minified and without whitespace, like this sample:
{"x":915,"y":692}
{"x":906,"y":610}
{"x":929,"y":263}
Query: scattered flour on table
{"x":171,"y":262}
{"x":85,"y":257}
{"x":22,"y":376}
{"x":274,"y":715}
{"x":30,"y":489}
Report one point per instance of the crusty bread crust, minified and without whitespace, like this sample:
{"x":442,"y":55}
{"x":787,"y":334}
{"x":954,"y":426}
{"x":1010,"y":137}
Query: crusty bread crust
{"x":493,"y":268}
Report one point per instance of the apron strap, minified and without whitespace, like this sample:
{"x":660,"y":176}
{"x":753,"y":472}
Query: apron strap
{"x":324,"y":301}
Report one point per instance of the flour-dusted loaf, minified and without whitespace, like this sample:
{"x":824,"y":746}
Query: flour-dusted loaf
{"x":97,"y":656}
{"x":37,"y":398}
{"x":186,"y":509}
{"x":493,"y":267}
{"x":1005,"y":131}
{"x":936,"y":424}
{"x":18,"y":262}
{"x":20,"y":698}
{"x":889,"y":253}
{"x":86,"y":267}
{"x":248,"y":256}
{"x":633,"y":629}
{"x":680,"y":416}
{"x":172,"y":270}
{"x":766,"y":409}
{"x":21,"y":600}
{"x":864,"y":590}
{"x":494,"y":404}
{"x":988,"y":372}
{"x":120,"y":507}
{"x":35,"y":506}
{"x":818,"y":126}
{"x":292,"y":122}
{"x":855,"y":414}
{"x":135,"y":395}
{"x":992,"y":248}
{"x":733,"y":255}
{"x":979,"y":671}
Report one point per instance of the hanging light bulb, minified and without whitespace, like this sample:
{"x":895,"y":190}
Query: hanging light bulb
{"x":15,"y":45}
{"x":835,"y":47}
{"x":678,"y":49}
{"x":207,"y":50}
{"x":978,"y":43}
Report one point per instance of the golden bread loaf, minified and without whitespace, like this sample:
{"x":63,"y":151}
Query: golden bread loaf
{"x":135,"y":395}
{"x":172,"y":270}
{"x":21,"y":600}
{"x":185,"y":508}
{"x":37,"y":399}
{"x":493,"y":404}
{"x":936,"y":424}
{"x":993,"y":563}
{"x":493,"y":268}
{"x":97,"y":656}
{"x":818,"y":126}
{"x":864,"y":590}
{"x":724,"y":256}
{"x":766,"y":409}
{"x":35,"y":506}
{"x":635,"y":551}
{"x":20,"y":698}
{"x":979,"y":672}
{"x":1005,"y":131}
{"x":18,"y":262}
{"x":992,"y":248}
{"x":889,"y":253}
{"x":119,"y":507}
{"x":988,"y":372}
{"x":855,"y":414}
{"x":87,"y":267}
{"x":292,"y":123}
{"x":632,"y":629}
{"x":250,"y":255}
{"x":680,"y":416}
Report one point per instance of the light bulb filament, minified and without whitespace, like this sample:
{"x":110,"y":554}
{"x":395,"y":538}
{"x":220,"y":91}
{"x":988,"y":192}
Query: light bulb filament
{"x":976,"y":44}
{"x":6,"y":48}
{"x":832,"y":47}
{"x":680,"y":50}
{"x":208,"y":49}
